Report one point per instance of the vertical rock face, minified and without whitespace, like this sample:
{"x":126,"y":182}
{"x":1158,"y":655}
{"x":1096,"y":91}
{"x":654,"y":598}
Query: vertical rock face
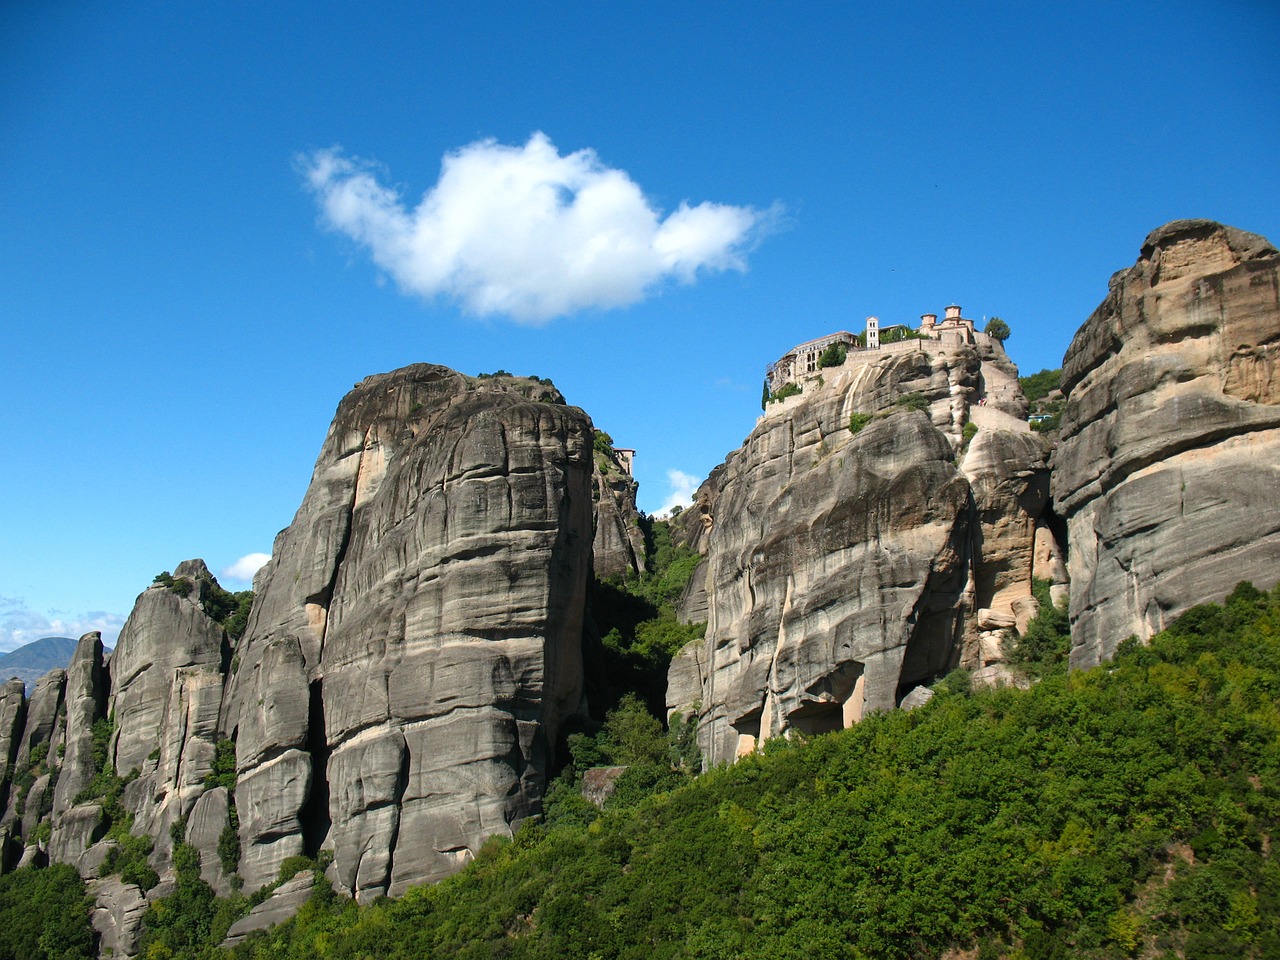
{"x":1008,"y":473}
{"x":1168,"y":472}
{"x":166,"y":690}
{"x":86,"y":699}
{"x":838,"y":568}
{"x":166,"y":633}
{"x":416,"y":639}
{"x":618,"y":549}
{"x":13,"y":710}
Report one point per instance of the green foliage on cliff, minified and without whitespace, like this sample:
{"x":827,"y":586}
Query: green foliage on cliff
{"x":997,"y":329}
{"x":913,"y":401}
{"x":832,"y":356}
{"x":1124,"y":810}
{"x":636,"y":620}
{"x":1037,"y":386}
{"x":44,"y":915}
{"x":786,"y":390}
{"x":227,"y":608}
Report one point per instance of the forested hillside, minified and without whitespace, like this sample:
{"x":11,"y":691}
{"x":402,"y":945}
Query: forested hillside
{"x":1127,"y":810}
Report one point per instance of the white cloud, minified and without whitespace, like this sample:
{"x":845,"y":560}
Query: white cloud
{"x":683,"y":487}
{"x":244,"y":568}
{"x":528,"y":233}
{"x":20,"y":625}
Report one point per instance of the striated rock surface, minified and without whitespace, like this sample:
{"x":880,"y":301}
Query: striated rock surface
{"x":165,"y":633}
{"x":844,"y":569}
{"x":283,"y":903}
{"x":618,"y":549}
{"x":1168,"y":472}
{"x":86,"y":701}
{"x":117,"y":917}
{"x":837,"y":563}
{"x":416,"y":640}
{"x":1008,"y":473}
{"x":13,"y":712}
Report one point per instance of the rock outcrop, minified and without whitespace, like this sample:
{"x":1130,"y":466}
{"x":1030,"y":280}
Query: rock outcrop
{"x":416,"y":641}
{"x":1168,"y":472}
{"x":840,"y":563}
{"x":618,"y":550}
{"x":1008,"y":473}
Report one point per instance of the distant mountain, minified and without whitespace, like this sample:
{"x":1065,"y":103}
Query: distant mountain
{"x":32,"y":661}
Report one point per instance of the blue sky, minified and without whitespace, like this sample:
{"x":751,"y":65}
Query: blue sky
{"x":182,"y":312}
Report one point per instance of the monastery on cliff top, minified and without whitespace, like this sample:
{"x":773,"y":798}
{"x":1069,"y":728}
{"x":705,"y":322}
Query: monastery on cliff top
{"x":802,"y":359}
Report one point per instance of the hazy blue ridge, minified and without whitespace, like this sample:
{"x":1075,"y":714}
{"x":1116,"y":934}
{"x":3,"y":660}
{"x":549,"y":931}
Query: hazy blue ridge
{"x":30,"y":662}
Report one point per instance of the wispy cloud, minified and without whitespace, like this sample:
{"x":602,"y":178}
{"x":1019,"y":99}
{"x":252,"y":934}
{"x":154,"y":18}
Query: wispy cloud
{"x":244,"y":568}
{"x":527,"y":233}
{"x":683,"y":487}
{"x":20,"y":625}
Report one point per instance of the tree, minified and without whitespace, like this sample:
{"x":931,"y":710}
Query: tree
{"x":997,"y":329}
{"x":833,"y":356}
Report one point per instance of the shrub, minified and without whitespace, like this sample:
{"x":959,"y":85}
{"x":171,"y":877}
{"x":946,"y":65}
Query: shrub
{"x":229,"y":849}
{"x":786,"y":390}
{"x":913,"y":401}
{"x":970,"y":431}
{"x":859,"y":420}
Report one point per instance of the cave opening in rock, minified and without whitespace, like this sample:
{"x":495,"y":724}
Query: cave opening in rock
{"x":315,"y":812}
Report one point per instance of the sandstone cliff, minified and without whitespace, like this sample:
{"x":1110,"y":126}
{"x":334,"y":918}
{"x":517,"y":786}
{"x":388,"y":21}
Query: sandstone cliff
{"x":416,"y":642}
{"x":1168,"y":473}
{"x":844,"y":567}
{"x":619,"y":542}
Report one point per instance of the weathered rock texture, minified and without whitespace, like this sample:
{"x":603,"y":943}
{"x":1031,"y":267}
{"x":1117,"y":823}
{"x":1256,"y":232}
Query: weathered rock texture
{"x":1008,"y":473}
{"x":416,"y":641}
{"x":1168,"y":472}
{"x":619,"y":541}
{"x":413,"y":650}
{"x":840,"y":565}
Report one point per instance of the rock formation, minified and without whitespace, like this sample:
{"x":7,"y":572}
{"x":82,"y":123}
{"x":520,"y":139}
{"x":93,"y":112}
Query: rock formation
{"x":840,"y":564}
{"x":416,"y":641}
{"x":1008,"y":474}
{"x":1168,"y":472}
{"x":414,"y":650}
{"x":619,"y":542}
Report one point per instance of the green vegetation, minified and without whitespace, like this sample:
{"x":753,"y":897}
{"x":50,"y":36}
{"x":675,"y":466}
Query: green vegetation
{"x":832,"y":356}
{"x":1122,"y":811}
{"x":997,"y":329}
{"x":913,"y":401}
{"x":231,"y":610}
{"x":859,"y":420}
{"x":179,"y":585}
{"x":1046,"y":414}
{"x":968,"y":433}
{"x":1044,"y":647}
{"x":638,"y":626}
{"x":603,"y":443}
{"x":227,"y":608}
{"x":44,"y":915}
{"x":786,"y":390}
{"x":128,"y":858}
{"x":898,"y":333}
{"x":1037,"y":386}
